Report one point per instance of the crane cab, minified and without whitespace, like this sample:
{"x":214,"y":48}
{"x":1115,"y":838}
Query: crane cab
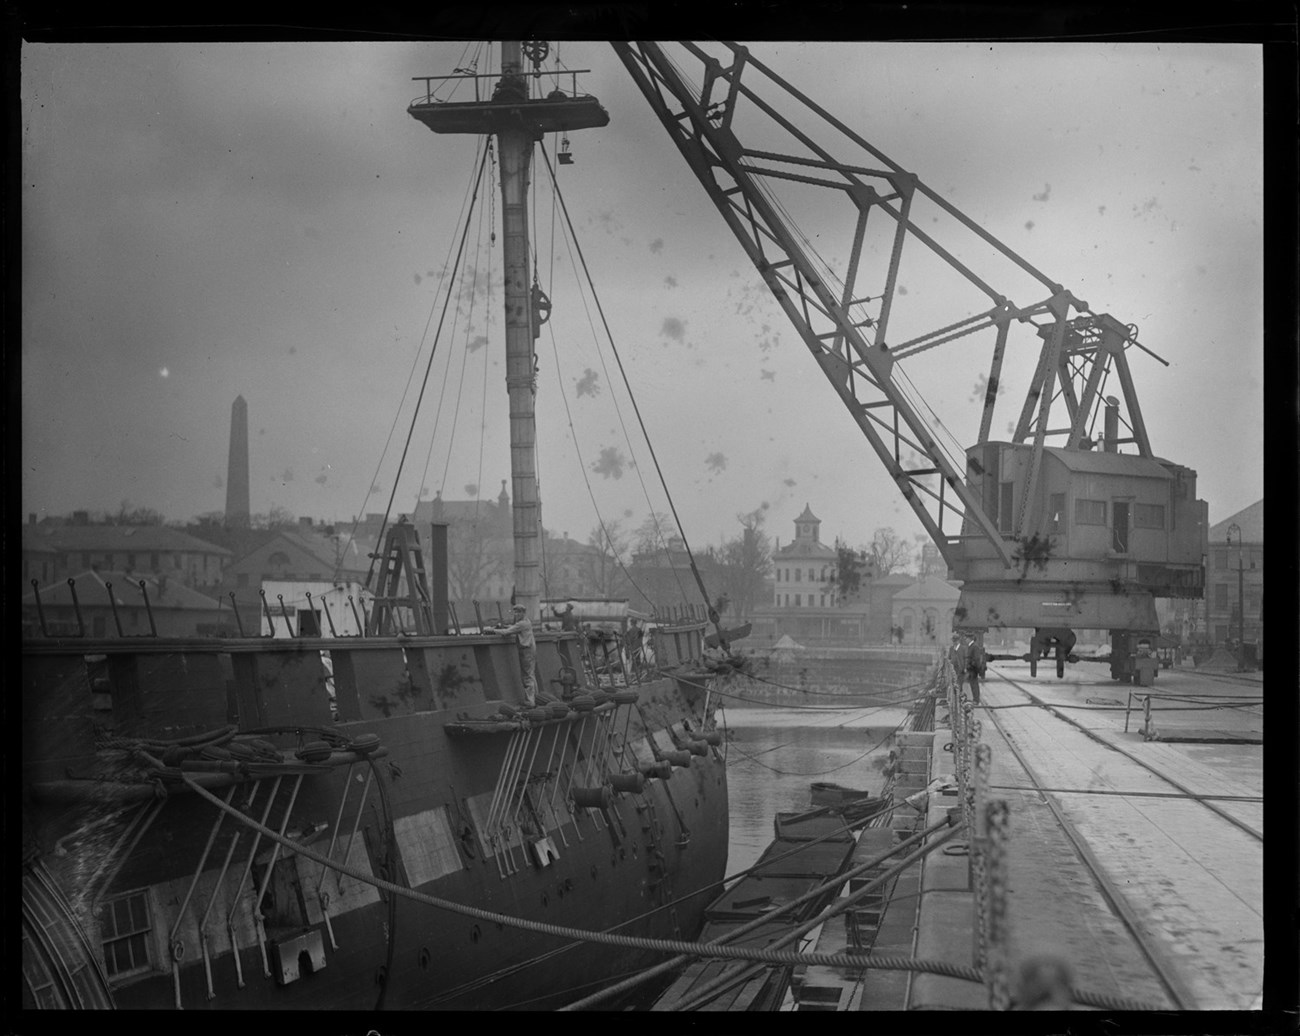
{"x":1100,"y":535}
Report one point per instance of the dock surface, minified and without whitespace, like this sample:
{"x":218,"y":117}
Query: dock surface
{"x":1136,"y":857}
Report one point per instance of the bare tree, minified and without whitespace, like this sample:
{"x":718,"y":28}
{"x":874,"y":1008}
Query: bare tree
{"x":129,"y":514}
{"x":745,"y":562}
{"x":612,"y":543}
{"x":276,"y":518}
{"x":888,"y":551}
{"x":654,"y":532}
{"x":471,"y":560}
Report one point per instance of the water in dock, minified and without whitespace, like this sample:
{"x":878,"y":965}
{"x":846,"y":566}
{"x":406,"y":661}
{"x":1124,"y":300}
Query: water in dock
{"x":774,"y":755}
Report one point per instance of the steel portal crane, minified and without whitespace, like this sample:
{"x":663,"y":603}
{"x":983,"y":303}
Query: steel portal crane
{"x":1016,"y":521}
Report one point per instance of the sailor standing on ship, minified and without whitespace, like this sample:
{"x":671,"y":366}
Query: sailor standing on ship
{"x":523,"y":629}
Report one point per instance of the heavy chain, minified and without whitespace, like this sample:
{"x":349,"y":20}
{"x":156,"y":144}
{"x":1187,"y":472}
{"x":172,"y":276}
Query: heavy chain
{"x":979,"y":863}
{"x":996,"y":824}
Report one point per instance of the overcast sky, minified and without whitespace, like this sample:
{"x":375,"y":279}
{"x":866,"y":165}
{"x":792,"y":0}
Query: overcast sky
{"x":202,"y":221}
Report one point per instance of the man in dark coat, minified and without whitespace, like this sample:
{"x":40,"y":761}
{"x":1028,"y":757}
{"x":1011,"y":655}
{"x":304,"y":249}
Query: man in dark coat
{"x":976,"y":668}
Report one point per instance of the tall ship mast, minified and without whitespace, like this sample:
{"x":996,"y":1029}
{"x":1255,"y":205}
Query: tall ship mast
{"x":517,"y":121}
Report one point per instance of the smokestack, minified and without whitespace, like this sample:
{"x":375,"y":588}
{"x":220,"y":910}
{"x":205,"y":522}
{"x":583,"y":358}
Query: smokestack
{"x":1111,"y":424}
{"x":237,"y":468}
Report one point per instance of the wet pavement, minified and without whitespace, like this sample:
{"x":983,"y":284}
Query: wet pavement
{"x":1178,"y":878}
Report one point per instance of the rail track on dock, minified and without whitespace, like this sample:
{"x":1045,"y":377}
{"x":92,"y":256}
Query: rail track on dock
{"x":1126,"y":905}
{"x":1133,"y":757}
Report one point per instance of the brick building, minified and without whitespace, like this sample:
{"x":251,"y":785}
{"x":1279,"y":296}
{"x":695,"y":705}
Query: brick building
{"x":1235,"y":577}
{"x":52,"y":551}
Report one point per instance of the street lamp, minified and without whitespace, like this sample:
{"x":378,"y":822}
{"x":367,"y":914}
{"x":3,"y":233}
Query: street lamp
{"x":1235,"y":529}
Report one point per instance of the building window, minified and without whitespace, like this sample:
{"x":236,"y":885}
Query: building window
{"x":153,"y":562}
{"x":798,"y":575}
{"x":1221,"y":559}
{"x":1253,"y":597}
{"x":812,"y":575}
{"x":1056,"y":507}
{"x":823,"y":601}
{"x":798,"y":600}
{"x":85,"y":560}
{"x":130,"y":562}
{"x":241,"y":578}
{"x":1221,"y":597}
{"x":1148,"y":516}
{"x":124,"y":932}
{"x":1090,"y":512}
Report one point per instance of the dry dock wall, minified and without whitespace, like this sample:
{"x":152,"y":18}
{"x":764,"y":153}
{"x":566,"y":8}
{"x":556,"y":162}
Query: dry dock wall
{"x":831,"y":676}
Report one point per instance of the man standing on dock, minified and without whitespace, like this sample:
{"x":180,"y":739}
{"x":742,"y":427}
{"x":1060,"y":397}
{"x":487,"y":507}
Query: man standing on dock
{"x":976,"y":667}
{"x":957,"y":657}
{"x":522,"y":628}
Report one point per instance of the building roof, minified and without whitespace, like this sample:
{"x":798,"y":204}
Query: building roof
{"x":1249,"y":519}
{"x":92,"y":591}
{"x":805,"y":549}
{"x":807,"y":515}
{"x":928,"y":589}
{"x":117,"y":538}
{"x":895,"y":579}
{"x":440,"y":510}
{"x":1099,"y":462}
{"x":321,"y":551}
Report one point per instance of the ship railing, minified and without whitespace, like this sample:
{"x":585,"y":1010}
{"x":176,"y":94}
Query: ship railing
{"x":481,"y":80}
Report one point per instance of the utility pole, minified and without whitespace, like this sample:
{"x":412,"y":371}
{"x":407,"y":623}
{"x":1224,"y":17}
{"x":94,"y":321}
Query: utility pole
{"x":1241,"y":599}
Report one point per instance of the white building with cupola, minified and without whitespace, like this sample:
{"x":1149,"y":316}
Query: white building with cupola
{"x":805,"y":568}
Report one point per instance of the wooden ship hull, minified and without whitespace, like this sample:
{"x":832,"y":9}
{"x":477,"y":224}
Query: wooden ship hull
{"x":398,"y":773}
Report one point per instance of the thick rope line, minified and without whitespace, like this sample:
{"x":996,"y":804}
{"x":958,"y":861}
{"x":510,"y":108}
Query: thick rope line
{"x":834,"y":881}
{"x":709,"y":990}
{"x":676,"y":946}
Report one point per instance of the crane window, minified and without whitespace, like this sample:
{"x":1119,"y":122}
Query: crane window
{"x":1149,"y":516}
{"x":1056,"y":504}
{"x":1089,"y":512}
{"x":1005,"y":505}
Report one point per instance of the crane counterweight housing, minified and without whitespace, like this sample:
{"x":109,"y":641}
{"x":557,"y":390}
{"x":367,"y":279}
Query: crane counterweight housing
{"x":1106,"y":534}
